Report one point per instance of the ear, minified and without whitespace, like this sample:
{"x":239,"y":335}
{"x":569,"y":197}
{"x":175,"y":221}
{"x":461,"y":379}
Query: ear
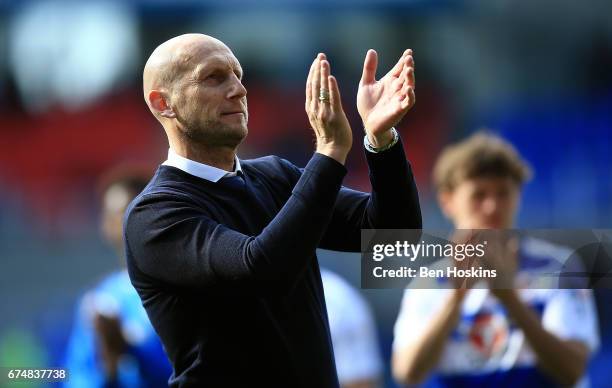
{"x":159,"y":103}
{"x":445,"y":199}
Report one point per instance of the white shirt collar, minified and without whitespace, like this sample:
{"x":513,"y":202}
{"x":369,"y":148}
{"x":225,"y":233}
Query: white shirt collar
{"x":198,"y":169}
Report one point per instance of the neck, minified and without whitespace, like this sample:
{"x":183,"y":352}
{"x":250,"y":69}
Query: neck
{"x":220,"y":157}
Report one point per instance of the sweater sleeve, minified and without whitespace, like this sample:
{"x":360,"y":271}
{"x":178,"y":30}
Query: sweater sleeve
{"x":170,"y":240}
{"x":392,"y":204}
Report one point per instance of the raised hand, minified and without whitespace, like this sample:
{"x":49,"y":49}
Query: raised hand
{"x":383,"y":103}
{"x":111,"y":341}
{"x":502,"y":256}
{"x":325,"y":113}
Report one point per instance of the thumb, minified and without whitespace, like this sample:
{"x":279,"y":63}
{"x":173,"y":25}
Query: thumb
{"x":369,"y":67}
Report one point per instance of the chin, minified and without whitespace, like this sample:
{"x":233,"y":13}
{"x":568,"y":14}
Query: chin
{"x":234,"y":126}
{"x":233,"y":136}
{"x":221,"y":134}
{"x":493,"y":225}
{"x":240,"y":132}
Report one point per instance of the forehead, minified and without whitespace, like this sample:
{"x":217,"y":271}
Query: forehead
{"x":216,"y":57}
{"x":487,"y":183}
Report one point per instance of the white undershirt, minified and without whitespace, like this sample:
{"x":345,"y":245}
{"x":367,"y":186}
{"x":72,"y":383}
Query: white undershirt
{"x":201,"y":170}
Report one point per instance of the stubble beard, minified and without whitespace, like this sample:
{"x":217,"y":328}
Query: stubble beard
{"x":214,"y":133}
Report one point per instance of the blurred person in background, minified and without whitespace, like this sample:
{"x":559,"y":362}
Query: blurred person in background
{"x":493,"y":337}
{"x":353,"y":334}
{"x":222,"y":250}
{"x":112,"y":343}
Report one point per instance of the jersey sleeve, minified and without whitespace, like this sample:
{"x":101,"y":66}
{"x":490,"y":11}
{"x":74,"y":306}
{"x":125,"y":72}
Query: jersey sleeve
{"x":353,"y":331}
{"x":417,"y":309}
{"x":571,"y":314}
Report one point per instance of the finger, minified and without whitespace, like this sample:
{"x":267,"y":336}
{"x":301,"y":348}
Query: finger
{"x":316,"y":79}
{"x":409,"y":64}
{"x":369,"y":67}
{"x":334,"y":94}
{"x":404,"y":100}
{"x":411,"y":98}
{"x":315,"y":83}
{"x":402,"y":80}
{"x":324,"y":73}
{"x":309,"y":84}
{"x":408,"y":100}
{"x":411,"y":78}
{"x":397,"y":69}
{"x":403,"y":76}
{"x":324,"y":83}
{"x":410,"y":60}
{"x":403,"y":93}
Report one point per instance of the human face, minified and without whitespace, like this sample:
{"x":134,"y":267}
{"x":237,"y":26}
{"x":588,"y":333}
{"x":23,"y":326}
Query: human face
{"x":210,"y":100}
{"x":482,"y":203}
{"x":114,"y":203}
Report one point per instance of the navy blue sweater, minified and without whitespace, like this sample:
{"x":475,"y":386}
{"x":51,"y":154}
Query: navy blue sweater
{"x":227,"y":271}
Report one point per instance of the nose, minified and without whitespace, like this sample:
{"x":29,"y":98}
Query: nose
{"x":237,"y":89}
{"x":490,"y":205}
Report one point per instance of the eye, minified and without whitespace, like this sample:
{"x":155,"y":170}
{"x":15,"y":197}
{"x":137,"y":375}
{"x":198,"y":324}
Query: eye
{"x":503,"y":193}
{"x":214,"y":78}
{"x":478,"y":195}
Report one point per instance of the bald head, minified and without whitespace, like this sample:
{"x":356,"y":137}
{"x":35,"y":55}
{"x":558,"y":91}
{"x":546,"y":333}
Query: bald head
{"x":193,"y":85}
{"x":173,"y":58}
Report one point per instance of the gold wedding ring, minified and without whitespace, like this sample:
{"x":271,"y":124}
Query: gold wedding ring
{"x":323,"y":95}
